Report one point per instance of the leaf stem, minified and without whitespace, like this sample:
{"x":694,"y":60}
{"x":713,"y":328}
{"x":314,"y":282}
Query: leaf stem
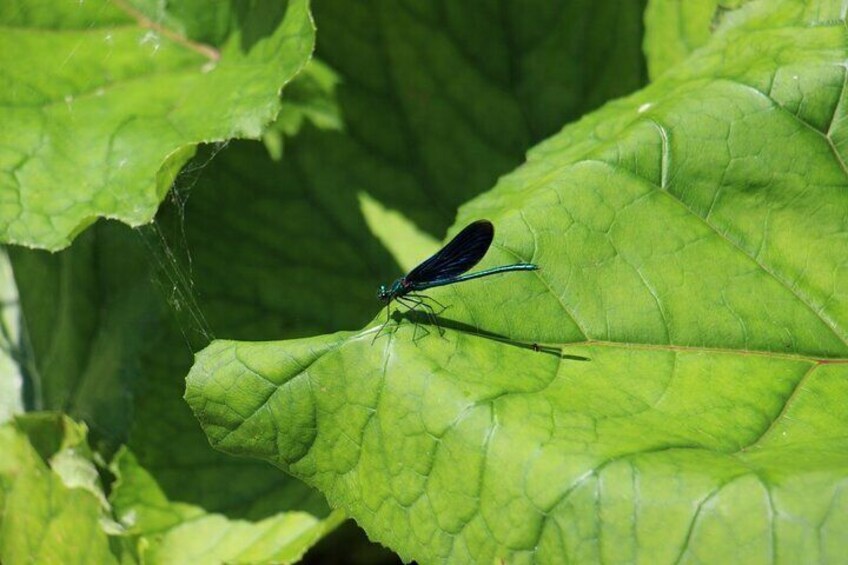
{"x":145,"y":22}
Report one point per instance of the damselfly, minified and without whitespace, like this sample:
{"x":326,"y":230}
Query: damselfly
{"x":446,"y":267}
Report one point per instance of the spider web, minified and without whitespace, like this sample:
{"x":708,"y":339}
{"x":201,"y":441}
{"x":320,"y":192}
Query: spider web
{"x":167,"y":245}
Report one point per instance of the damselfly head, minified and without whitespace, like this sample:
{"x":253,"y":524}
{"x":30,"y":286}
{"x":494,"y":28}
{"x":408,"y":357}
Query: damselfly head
{"x":383,"y":293}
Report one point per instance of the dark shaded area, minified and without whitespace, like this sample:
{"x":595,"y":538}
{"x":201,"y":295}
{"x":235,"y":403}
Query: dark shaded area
{"x":44,"y":431}
{"x":444,"y":97}
{"x":111,"y":324}
{"x":274,"y":249}
{"x":349,"y":545}
{"x":195,"y":248}
{"x":87,"y":312}
{"x":258,"y":19}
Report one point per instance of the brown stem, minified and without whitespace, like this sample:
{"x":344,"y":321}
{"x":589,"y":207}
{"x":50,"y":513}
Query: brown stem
{"x":145,"y":22}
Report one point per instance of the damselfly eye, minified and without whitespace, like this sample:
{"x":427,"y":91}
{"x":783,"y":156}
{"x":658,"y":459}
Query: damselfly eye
{"x":382,"y":292}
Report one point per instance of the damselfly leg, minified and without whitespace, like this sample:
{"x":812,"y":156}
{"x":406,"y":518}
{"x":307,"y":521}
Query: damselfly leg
{"x":424,"y":297}
{"x":413,"y":304}
{"x":431,"y":312}
{"x":383,"y":326}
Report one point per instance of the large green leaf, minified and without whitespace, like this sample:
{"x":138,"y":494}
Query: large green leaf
{"x":688,"y":401}
{"x":103,"y":102}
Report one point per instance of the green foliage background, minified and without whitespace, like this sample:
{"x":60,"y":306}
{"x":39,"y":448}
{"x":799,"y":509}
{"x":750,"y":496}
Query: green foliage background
{"x":688,"y":403}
